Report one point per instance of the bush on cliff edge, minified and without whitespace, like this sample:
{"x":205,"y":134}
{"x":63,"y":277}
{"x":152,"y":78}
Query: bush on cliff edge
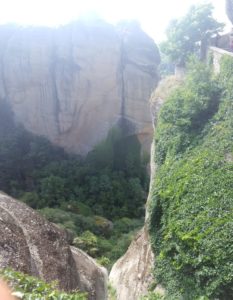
{"x":192,"y":203}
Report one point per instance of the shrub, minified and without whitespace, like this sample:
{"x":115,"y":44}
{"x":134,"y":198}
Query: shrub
{"x":104,"y":261}
{"x":31,"y":288}
{"x":191,"y":211}
{"x":153,"y":296}
{"x":87,"y":241}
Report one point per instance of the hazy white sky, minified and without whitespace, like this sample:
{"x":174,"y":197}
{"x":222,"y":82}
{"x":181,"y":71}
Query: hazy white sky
{"x":154,"y":15}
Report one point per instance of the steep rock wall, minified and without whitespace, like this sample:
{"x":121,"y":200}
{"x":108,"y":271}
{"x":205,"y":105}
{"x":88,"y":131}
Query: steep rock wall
{"x":131,"y":275}
{"x":74,"y":83}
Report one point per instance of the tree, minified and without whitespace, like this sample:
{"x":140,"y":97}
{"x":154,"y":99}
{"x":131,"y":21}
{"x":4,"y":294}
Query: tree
{"x":184,"y":35}
{"x":229,"y":10}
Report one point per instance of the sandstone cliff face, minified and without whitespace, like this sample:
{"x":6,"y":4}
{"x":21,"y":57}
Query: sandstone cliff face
{"x":32,"y":245}
{"x":74,"y":83}
{"x":131,"y":275}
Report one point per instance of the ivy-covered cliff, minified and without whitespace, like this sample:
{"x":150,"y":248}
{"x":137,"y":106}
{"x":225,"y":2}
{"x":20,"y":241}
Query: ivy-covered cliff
{"x":192,"y":202}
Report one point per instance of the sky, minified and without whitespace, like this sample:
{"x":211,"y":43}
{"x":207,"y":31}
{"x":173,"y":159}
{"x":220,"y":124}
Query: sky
{"x":154,"y":15}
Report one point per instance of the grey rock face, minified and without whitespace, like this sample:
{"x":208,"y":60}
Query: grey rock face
{"x":74,"y":83}
{"x":32,"y":245}
{"x":93,"y":277}
{"x":131,"y":275}
{"x":41,"y":248}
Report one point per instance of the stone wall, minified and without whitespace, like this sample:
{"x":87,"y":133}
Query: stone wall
{"x":217,"y":54}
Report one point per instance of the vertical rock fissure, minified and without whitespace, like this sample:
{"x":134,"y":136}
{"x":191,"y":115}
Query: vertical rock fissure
{"x":55,"y":93}
{"x":2,"y":73}
{"x":122,"y":85}
{"x":3,"y":80}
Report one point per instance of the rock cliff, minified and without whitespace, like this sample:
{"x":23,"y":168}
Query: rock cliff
{"x":72,"y":84}
{"x":131,"y":275}
{"x":32,"y":245}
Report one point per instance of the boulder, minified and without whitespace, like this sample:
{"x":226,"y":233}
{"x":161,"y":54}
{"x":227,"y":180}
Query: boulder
{"x":131,"y":275}
{"x":32,"y":245}
{"x":93,"y":277}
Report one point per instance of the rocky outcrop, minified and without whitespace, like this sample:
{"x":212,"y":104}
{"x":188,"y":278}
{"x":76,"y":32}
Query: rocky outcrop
{"x":74,"y":83}
{"x":92,"y":276}
{"x":32,"y":245}
{"x":131,"y":275}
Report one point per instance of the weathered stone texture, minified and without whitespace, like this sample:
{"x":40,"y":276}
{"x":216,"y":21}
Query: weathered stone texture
{"x":131,"y":275}
{"x":32,"y":245}
{"x":74,"y":83}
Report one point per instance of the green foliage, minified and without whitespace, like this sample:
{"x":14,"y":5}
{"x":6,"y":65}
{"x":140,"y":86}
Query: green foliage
{"x":183,"y":35}
{"x":112,"y":179}
{"x":31,"y":288}
{"x":74,"y":222}
{"x":53,"y":190}
{"x":104,"y":261}
{"x":111,"y":293}
{"x":191,"y":212}
{"x":186,"y":112}
{"x":87,"y":242}
{"x":125,"y":225}
{"x":79,"y":194}
{"x":108,"y":250}
{"x":153,"y":296}
{"x":96,"y":235}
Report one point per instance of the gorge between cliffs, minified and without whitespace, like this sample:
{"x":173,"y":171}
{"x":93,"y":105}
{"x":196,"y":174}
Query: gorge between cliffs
{"x":115,"y":183}
{"x":75,"y":138}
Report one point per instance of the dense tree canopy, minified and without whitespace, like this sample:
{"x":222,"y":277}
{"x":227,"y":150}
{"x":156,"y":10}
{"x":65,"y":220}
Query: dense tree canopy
{"x":79,"y":194}
{"x":190,"y":33}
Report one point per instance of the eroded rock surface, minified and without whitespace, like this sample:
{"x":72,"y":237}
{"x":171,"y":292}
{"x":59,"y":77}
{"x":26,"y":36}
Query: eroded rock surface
{"x":93,"y":277}
{"x":32,"y":245}
{"x":74,"y":83}
{"x":131,"y":275}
